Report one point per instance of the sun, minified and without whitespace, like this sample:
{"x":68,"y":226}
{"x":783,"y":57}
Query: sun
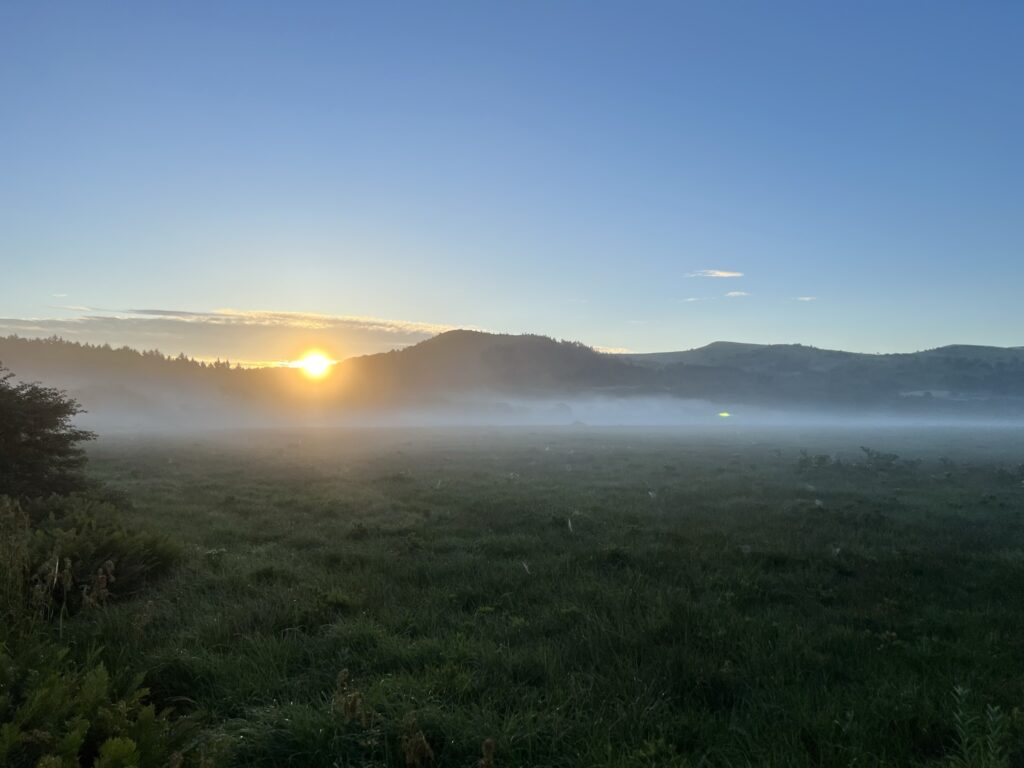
{"x":315,"y":365}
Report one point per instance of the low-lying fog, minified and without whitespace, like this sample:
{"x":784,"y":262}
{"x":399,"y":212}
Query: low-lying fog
{"x":179,"y":413}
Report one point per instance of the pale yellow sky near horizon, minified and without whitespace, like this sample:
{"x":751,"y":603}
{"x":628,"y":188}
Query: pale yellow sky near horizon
{"x":254,"y":338}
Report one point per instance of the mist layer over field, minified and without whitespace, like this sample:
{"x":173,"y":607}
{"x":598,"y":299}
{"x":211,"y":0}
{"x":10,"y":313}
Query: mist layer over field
{"x":178,"y":416}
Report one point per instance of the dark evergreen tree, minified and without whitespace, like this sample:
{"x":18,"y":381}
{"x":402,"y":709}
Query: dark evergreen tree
{"x":40,"y":448}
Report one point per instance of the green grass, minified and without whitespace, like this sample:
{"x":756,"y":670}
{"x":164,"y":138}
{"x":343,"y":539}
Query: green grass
{"x":584,"y":598}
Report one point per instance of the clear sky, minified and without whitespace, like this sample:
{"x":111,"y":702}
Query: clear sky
{"x":567,"y":168}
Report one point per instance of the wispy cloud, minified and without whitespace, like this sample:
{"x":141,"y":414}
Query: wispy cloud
{"x":165,"y":313}
{"x":714,"y":273}
{"x":306,"y":320}
{"x":736,"y":294}
{"x":806,"y":298}
{"x":693,"y":299}
{"x":241,"y":335}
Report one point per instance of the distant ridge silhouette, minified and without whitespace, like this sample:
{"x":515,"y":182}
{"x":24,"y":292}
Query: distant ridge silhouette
{"x":460,"y":367}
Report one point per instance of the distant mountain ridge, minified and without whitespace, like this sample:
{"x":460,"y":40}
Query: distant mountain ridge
{"x":462,"y":369}
{"x":753,"y":356}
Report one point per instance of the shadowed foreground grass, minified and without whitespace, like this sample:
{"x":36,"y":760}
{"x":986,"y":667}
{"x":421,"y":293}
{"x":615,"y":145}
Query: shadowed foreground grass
{"x":584,"y":598}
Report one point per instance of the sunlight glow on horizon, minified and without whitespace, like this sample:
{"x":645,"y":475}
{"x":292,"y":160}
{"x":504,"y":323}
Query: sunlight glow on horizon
{"x":314,"y":364}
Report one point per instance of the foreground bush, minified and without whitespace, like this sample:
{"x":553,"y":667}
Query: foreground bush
{"x":40,"y":451}
{"x":63,"y":554}
{"x":63,"y":549}
{"x":55,"y":713}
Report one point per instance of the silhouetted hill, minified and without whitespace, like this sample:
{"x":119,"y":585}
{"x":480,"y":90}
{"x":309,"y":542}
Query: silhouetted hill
{"x":799,"y":357}
{"x":464,"y":370}
{"x":716,"y":353}
{"x":800,"y":375}
{"x":471,"y":361}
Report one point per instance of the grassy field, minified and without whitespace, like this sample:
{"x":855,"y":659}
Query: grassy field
{"x":581,"y":597}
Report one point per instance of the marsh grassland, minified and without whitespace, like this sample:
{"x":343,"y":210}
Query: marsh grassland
{"x":580,"y":597}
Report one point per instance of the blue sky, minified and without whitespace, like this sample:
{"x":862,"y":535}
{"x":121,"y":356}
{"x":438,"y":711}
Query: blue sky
{"x":560,"y":168}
